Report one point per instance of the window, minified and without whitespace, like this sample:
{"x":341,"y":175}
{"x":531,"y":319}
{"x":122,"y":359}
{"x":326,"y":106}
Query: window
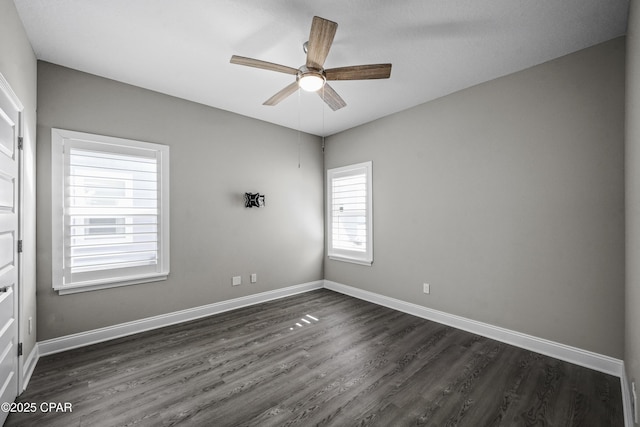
{"x":110,"y":204}
{"x":349,"y":213}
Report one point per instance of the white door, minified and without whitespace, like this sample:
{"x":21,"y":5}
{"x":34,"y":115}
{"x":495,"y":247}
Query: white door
{"x":9,"y":159}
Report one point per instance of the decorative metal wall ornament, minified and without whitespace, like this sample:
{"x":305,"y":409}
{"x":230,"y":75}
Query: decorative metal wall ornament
{"x":253,"y":200}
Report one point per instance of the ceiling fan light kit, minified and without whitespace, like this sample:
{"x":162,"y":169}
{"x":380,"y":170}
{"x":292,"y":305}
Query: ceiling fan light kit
{"x":310,"y":80}
{"x":311,"y":77}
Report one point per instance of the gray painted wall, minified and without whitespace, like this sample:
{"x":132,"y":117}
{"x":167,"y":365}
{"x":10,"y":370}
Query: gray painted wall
{"x":508,"y":198}
{"x":632,"y":335}
{"x":216,"y":157}
{"x":18,"y":66}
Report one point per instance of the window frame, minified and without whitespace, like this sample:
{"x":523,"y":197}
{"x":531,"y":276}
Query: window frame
{"x":342,"y":254}
{"x":62,"y":140}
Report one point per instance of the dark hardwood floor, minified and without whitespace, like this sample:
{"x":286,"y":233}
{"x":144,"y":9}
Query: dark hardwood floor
{"x":319,"y":358}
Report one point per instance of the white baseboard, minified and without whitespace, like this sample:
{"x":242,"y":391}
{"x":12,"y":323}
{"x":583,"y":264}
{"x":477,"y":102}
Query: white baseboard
{"x":627,"y":406}
{"x":68,"y":342}
{"x":588,"y":359}
{"x":29,"y":366}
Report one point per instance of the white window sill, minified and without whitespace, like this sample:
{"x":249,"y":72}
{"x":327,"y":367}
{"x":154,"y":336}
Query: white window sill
{"x":351,"y":260}
{"x":92,"y":286}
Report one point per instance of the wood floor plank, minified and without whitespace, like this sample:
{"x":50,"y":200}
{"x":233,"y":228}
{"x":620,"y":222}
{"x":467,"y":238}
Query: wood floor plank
{"x":318,"y":358}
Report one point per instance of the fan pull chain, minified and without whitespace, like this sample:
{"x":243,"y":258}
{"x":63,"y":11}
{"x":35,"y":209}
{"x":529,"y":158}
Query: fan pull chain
{"x":299,"y":125}
{"x":323,"y":108}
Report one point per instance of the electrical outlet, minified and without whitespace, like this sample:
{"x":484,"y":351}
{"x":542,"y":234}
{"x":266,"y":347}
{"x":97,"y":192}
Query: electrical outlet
{"x":254,"y":278}
{"x":236,"y":280}
{"x":426,"y":288}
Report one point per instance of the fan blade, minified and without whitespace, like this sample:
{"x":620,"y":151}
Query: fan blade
{"x":320,"y":39}
{"x":250,"y":62}
{"x":275,"y":99}
{"x":331,"y":97}
{"x":359,"y":72}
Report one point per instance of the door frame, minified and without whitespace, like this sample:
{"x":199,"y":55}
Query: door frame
{"x":5,"y":87}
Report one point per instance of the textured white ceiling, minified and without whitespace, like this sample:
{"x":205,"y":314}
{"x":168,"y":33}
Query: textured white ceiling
{"x":182,"y":48}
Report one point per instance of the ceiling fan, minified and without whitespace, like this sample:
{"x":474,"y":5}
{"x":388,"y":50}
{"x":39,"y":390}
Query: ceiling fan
{"x":311,"y":76}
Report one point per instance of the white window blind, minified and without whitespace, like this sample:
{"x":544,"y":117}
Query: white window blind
{"x":114,"y":205}
{"x":350,"y":216}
